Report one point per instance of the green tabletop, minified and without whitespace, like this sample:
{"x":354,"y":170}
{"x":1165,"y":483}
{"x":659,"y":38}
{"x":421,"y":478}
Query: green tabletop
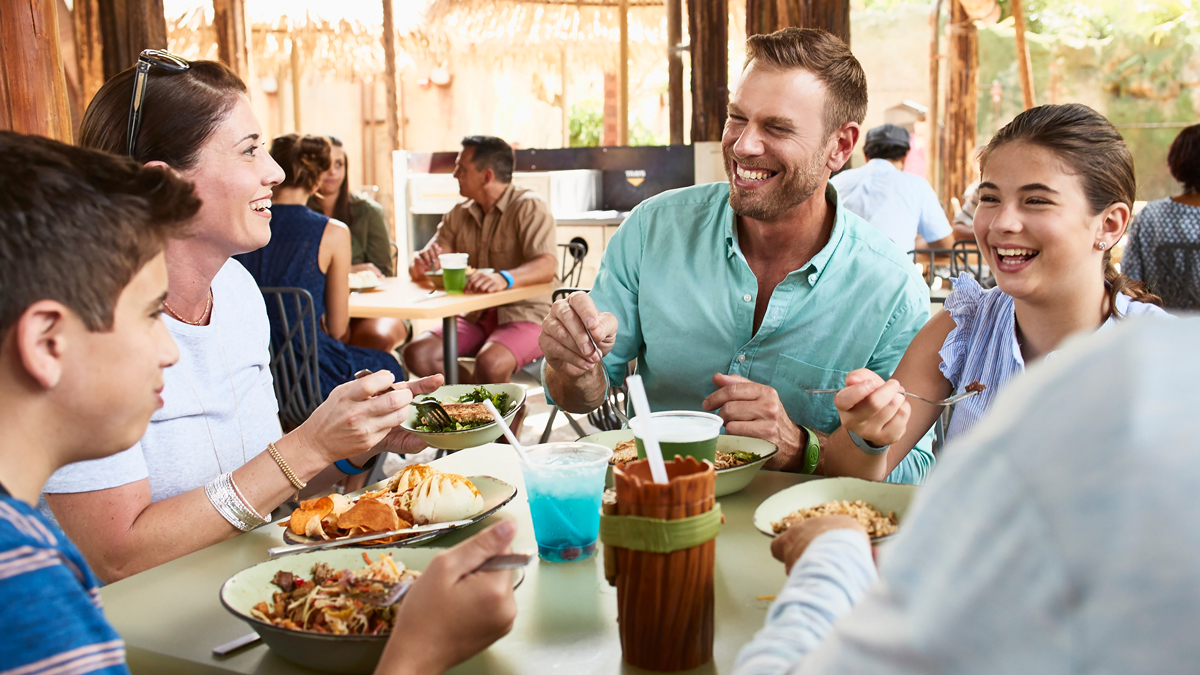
{"x":171,"y":619}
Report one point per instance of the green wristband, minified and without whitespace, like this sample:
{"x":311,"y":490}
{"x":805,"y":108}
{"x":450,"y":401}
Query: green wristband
{"x":812,"y":452}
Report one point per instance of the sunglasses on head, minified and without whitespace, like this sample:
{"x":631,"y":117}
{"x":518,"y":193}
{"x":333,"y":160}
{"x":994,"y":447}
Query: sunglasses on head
{"x":148,"y":58}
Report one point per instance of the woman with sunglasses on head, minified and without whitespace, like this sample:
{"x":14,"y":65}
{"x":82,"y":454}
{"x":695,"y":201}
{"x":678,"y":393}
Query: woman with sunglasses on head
{"x":1056,"y":191}
{"x":214,"y":460}
{"x":370,"y":245}
{"x":310,"y":251}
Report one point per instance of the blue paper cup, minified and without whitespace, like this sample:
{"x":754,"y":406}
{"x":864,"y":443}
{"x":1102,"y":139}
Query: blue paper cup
{"x":564,"y":483}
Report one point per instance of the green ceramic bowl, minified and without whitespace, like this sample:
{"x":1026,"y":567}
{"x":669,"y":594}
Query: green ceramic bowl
{"x":886,"y":497}
{"x":729,"y":481}
{"x":326,"y":653}
{"x":466,"y":438}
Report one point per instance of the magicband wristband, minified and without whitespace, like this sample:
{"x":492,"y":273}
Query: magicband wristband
{"x":862,"y":444}
{"x":349,"y":469}
{"x":812,"y":452}
{"x":507,"y":277}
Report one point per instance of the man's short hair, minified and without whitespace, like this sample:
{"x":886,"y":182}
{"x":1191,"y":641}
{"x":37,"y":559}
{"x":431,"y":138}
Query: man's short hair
{"x":76,"y":225}
{"x":1184,"y":158}
{"x":826,"y":57}
{"x":492,"y":153}
{"x":881,"y":150}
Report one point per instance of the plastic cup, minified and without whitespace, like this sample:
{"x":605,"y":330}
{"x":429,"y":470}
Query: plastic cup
{"x":564,"y":483}
{"x":454,"y":271}
{"x":684,"y":433}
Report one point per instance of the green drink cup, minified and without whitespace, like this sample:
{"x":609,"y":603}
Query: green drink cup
{"x":454,"y":271}
{"x":684,"y":433}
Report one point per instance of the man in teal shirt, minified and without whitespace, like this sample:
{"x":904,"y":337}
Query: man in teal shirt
{"x":739,"y":296}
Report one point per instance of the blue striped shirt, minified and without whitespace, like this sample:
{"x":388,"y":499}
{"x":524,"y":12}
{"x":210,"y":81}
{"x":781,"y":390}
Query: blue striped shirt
{"x":53,"y":623}
{"x":983,"y":345}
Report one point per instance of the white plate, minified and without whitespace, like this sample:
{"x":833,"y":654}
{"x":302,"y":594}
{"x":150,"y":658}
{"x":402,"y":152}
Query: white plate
{"x":496,"y":493}
{"x":361,"y":281}
{"x":883,"y":496}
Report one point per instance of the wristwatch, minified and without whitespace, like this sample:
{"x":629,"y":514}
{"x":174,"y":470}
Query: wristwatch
{"x":812,"y":451}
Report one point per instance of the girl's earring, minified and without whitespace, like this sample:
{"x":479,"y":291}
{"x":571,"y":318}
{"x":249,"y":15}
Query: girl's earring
{"x":1101,"y":245}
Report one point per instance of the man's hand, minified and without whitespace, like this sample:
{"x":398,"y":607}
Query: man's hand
{"x":404,"y":442}
{"x":564,"y":339}
{"x":792,"y":542}
{"x":486,"y":283}
{"x":368,"y":267}
{"x":875,"y":410}
{"x":426,"y":259}
{"x":450,"y":614}
{"x":753,"y":409}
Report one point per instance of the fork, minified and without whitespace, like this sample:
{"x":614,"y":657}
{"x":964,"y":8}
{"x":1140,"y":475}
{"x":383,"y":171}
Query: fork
{"x":948,"y":401}
{"x":432,"y":414}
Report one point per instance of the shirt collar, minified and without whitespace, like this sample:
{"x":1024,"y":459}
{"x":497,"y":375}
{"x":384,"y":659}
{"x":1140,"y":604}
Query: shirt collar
{"x":501,"y":205}
{"x":881,"y":165}
{"x":821,"y":259}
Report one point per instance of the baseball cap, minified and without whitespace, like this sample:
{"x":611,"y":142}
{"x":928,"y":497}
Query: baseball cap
{"x":888,"y":134}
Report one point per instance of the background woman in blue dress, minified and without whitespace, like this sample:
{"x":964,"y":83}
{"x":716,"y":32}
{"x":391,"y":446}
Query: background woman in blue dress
{"x":310,"y":251}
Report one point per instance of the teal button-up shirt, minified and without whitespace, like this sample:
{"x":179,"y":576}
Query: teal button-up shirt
{"x":684,"y":297}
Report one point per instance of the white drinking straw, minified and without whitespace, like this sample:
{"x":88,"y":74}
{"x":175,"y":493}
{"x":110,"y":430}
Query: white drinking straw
{"x":512,"y":440}
{"x":658,"y":469}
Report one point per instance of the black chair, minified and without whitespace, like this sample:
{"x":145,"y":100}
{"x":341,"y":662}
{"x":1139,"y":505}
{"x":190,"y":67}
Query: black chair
{"x":294,"y":365}
{"x":965,"y":257}
{"x":571,"y":270}
{"x":1177,"y":280}
{"x":933,"y":254}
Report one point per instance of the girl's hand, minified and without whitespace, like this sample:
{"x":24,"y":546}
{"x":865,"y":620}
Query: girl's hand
{"x":875,"y":410}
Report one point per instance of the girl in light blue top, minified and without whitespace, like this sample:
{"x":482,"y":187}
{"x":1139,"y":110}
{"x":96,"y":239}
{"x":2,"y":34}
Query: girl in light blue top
{"x":1056,"y":193}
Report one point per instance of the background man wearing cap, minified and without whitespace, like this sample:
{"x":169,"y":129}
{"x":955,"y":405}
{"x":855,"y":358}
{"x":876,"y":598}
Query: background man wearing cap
{"x":898,"y":204}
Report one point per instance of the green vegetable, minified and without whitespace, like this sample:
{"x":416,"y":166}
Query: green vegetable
{"x":743,"y":456}
{"x":479,"y":395}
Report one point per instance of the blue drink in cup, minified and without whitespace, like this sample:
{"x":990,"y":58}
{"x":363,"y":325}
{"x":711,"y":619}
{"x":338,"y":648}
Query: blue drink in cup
{"x":564,"y":483}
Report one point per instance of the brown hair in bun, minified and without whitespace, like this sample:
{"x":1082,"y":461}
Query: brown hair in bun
{"x":303,"y":158}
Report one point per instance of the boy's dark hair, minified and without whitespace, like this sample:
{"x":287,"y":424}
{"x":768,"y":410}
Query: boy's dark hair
{"x":76,"y":225}
{"x":1184,"y":158}
{"x":492,"y":153}
{"x":884,"y":151}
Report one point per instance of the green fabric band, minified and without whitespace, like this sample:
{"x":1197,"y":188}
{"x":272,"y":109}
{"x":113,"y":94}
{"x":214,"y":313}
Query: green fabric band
{"x":638,"y":533}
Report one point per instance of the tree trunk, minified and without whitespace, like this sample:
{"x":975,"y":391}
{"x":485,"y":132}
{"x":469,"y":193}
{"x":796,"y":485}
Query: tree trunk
{"x":126,"y":28}
{"x":1024,"y":66}
{"x":233,"y":36}
{"x":33,"y":88}
{"x":768,"y":16}
{"x":962,"y":99}
{"x":708,"y":28}
{"x":89,"y":47}
{"x":674,"y":70}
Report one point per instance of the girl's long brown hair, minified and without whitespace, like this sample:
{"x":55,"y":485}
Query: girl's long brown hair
{"x":341,"y":207}
{"x":1088,"y":143}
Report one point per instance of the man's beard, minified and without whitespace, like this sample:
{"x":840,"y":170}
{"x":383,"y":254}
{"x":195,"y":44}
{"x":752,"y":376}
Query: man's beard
{"x":797,"y":185}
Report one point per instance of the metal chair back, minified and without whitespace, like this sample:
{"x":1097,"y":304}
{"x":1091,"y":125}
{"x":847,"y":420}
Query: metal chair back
{"x":294,"y":361}
{"x":933,"y":254}
{"x":571,"y":269}
{"x":965,"y":257}
{"x":1177,"y":280}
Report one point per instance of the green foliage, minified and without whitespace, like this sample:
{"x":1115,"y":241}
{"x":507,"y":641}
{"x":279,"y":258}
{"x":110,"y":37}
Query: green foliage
{"x":586,"y":124}
{"x":1100,"y":19}
{"x":640,"y":134}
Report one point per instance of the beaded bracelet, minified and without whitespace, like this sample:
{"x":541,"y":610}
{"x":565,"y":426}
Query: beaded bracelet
{"x":229,"y":503}
{"x":287,"y":470}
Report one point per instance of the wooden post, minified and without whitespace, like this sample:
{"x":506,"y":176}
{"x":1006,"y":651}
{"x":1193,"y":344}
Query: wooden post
{"x":33,"y":88}
{"x":1024,"y":66}
{"x":391,"y":97}
{"x":126,"y":28}
{"x":708,"y":31}
{"x":562,"y":101}
{"x":768,"y":16}
{"x":297,"y":125}
{"x":233,"y":36}
{"x":961,"y":103}
{"x":88,"y":48}
{"x":623,"y":75}
{"x":675,"y":70}
{"x":932,"y":173}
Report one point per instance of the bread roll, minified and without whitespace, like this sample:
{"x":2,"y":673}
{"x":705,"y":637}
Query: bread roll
{"x":444,"y":497}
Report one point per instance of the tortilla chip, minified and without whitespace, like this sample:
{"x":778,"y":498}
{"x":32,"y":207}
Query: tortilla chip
{"x":371,"y":515}
{"x":309,"y":510}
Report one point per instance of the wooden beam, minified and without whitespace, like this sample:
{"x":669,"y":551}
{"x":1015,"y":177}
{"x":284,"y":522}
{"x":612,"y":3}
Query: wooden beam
{"x":33,"y":88}
{"x":233,"y":36}
{"x":675,"y":70}
{"x":623,"y":74}
{"x":708,"y":31}
{"x":391,"y":85}
{"x":932,"y":173}
{"x":89,"y":46}
{"x":768,"y":16}
{"x":961,"y":103}
{"x":1024,"y":66}
{"x":126,"y":28}
{"x":297,"y":123}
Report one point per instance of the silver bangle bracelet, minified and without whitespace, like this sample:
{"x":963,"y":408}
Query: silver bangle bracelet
{"x":225,"y":499}
{"x":246,"y":502}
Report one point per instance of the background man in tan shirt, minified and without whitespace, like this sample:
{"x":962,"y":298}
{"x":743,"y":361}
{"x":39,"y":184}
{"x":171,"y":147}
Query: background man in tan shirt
{"x":504,"y":227}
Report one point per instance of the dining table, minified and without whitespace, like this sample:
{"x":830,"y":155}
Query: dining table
{"x":402,"y":298}
{"x":171,"y":618}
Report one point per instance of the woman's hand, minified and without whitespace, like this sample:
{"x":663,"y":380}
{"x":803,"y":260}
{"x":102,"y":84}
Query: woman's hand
{"x":355,"y":417}
{"x":875,"y":410}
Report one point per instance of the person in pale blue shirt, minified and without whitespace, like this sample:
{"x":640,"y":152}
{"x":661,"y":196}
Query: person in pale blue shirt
{"x":739,"y":296}
{"x":1058,"y":536}
{"x":898,"y":204}
{"x":1058,"y":186}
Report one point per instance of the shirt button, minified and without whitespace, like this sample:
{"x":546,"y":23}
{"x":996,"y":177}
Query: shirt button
{"x":741,"y":357}
{"x":812,"y":278}
{"x":747,"y":297}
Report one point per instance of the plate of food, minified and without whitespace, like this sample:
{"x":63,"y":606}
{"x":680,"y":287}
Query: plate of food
{"x":738,"y":457}
{"x":314,"y":608}
{"x":435,"y":277}
{"x":472,"y":424}
{"x":365,"y":280}
{"x":880,"y":507}
{"x":418,"y":495}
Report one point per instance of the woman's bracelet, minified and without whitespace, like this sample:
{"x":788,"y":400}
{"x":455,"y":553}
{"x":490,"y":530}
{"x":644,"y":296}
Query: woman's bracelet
{"x":287,"y":470}
{"x":349,"y":469}
{"x":225,"y":497}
